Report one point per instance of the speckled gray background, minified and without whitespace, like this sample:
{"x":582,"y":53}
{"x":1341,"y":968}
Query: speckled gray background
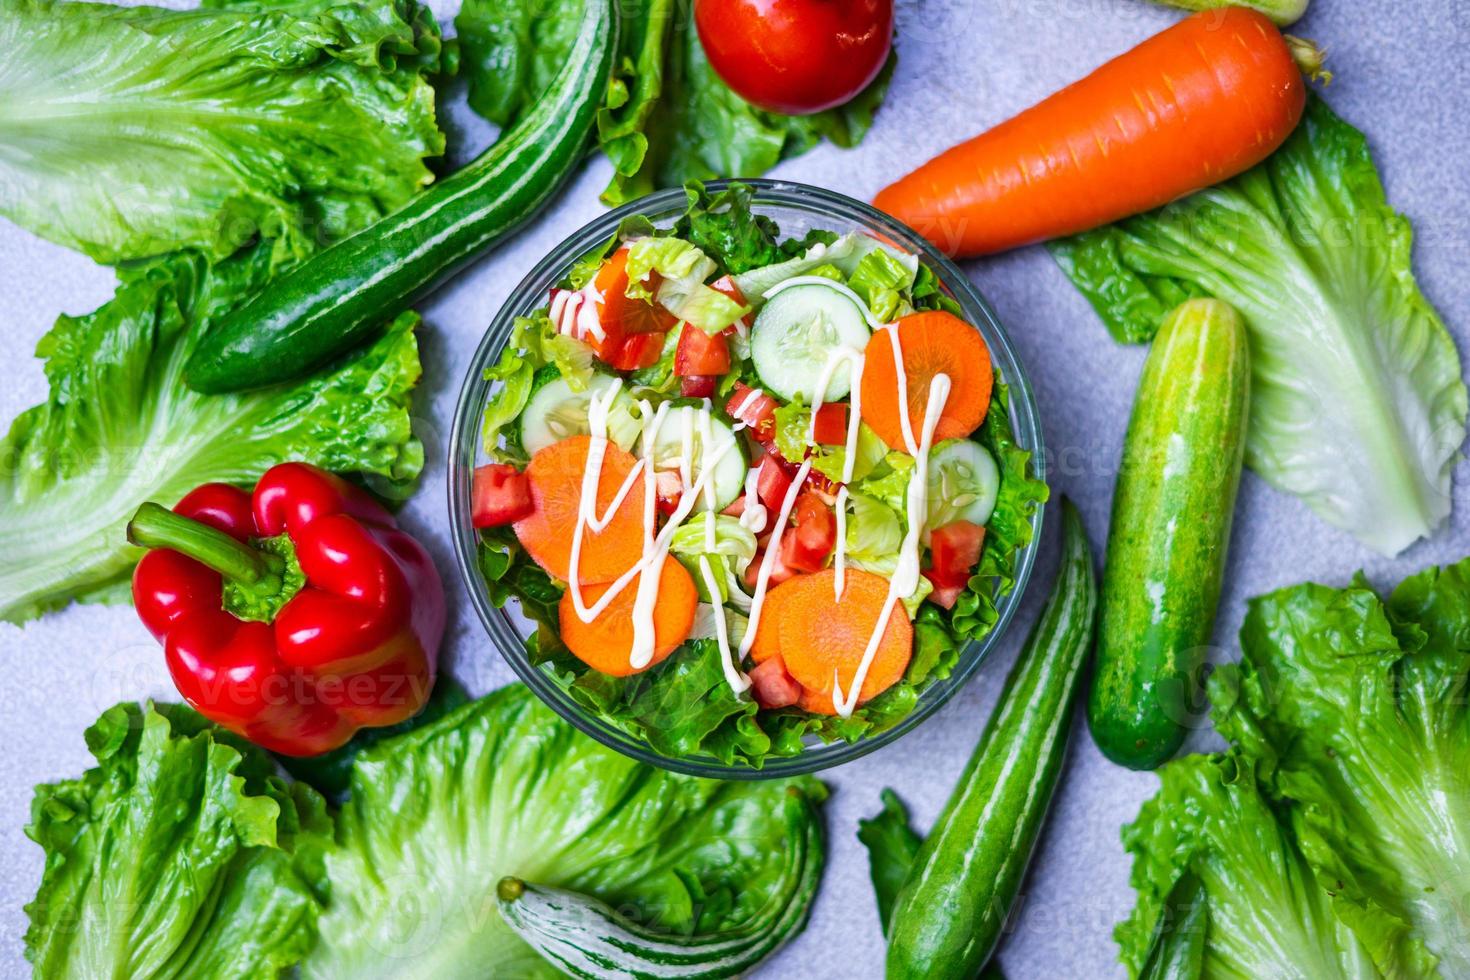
{"x":1402,"y":75}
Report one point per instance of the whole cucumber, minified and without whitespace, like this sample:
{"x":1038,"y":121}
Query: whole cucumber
{"x":948,"y":917}
{"x":1172,"y":510}
{"x":337,"y":298}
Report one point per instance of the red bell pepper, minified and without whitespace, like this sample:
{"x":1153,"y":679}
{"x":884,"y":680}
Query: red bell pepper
{"x":292,"y":617}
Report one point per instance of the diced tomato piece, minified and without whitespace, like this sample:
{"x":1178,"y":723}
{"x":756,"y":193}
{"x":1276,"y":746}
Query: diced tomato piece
{"x":726,"y":286}
{"x":500,"y":494}
{"x":773,"y":482}
{"x":700,"y":353}
{"x":639,"y":351}
{"x":779,"y":571}
{"x":772,"y":686}
{"x":821,"y":484}
{"x":805,"y":546}
{"x":954,"y":550}
{"x":830,"y":425}
{"x":756,"y":409}
{"x":620,"y":315}
{"x":944,"y":596}
{"x":736,"y":508}
{"x":670,"y":488}
{"x":699,"y":385}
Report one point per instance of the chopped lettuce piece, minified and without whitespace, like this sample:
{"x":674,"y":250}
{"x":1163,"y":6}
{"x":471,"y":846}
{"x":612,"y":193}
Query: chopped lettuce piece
{"x":667,"y":118}
{"x":846,"y":255}
{"x":682,"y":291}
{"x":874,"y":530}
{"x":1356,"y":712}
{"x":1268,"y":916}
{"x":724,"y":225}
{"x":793,"y":423}
{"x":501,"y":787}
{"x":128,"y":132}
{"x":1357,"y":401}
{"x":179,"y":855}
{"x":120,"y":427}
{"x":882,"y":278}
{"x":733,"y":540}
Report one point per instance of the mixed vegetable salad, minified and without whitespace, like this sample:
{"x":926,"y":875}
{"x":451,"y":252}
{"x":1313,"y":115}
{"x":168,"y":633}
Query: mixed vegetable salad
{"x":751,"y":488}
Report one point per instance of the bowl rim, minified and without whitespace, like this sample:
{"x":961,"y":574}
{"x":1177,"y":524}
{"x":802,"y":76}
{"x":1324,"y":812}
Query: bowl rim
{"x":827,"y":209}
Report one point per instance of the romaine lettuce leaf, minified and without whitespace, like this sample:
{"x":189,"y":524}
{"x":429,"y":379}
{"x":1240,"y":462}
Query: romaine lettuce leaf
{"x":128,"y":132}
{"x":1356,"y":712}
{"x":1357,"y":401}
{"x":179,"y":855}
{"x":503,"y":787}
{"x":1268,"y":917}
{"x":120,"y":427}
{"x":668,"y":118}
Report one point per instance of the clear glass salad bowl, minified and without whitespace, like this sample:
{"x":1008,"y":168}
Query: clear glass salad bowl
{"x":796,"y":208}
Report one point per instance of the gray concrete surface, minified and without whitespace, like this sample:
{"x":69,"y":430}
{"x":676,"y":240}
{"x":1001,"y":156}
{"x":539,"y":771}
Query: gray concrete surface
{"x":965,"y":64}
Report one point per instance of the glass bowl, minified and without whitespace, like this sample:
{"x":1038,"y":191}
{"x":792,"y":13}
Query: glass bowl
{"x":796,"y":208}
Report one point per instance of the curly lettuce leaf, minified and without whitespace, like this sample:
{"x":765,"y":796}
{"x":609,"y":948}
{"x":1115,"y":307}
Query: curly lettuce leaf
{"x":1357,"y":401}
{"x":120,"y":427}
{"x":728,"y":230}
{"x":179,"y":855}
{"x":502,"y":787}
{"x":892,"y":846}
{"x":128,"y":132}
{"x":1267,"y":915}
{"x":667,"y":118}
{"x":682,"y":269}
{"x":1356,"y":710}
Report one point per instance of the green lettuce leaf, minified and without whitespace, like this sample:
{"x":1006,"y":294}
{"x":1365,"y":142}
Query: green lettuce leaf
{"x":683,"y":269}
{"x":725,"y":228}
{"x":120,"y":427}
{"x":793,"y":425}
{"x":892,"y":846}
{"x":1268,"y":917}
{"x":128,"y":132}
{"x":1010,"y":528}
{"x":503,"y":787}
{"x":179,"y":855}
{"x":667,"y":118}
{"x":1356,"y":712}
{"x":1357,"y":401}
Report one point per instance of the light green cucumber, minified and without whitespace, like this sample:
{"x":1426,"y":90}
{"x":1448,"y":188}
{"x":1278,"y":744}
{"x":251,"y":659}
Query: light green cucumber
{"x":1172,"y":510}
{"x":950,"y":913}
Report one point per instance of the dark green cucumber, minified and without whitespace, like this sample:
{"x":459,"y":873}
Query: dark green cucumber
{"x":582,"y":937}
{"x":1172,"y":510}
{"x":333,"y":301}
{"x":1178,"y":948}
{"x":951,"y":911}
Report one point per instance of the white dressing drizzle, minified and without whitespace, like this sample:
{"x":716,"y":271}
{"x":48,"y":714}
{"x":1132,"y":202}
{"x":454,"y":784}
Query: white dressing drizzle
{"x":574,"y":312}
{"x":734,"y":676}
{"x":839,"y":551}
{"x":906,"y":571}
{"x":768,"y":561}
{"x":753,"y":517}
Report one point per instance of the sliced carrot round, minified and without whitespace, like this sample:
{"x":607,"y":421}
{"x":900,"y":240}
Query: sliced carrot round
{"x":606,"y":643}
{"x":555,"y":475}
{"x":933,"y":342}
{"x":767,"y":642}
{"x":816,"y":702}
{"x":821,"y":635}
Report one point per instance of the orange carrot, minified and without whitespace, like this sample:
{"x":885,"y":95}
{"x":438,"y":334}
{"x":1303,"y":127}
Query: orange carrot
{"x":620,"y":315}
{"x":555,"y":475}
{"x":1206,"y":99}
{"x":767,"y":642}
{"x":932,"y":342}
{"x":820,"y":635}
{"x":606,"y":643}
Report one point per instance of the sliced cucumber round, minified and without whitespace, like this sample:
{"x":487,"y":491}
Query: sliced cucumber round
{"x":803,"y":322}
{"x":963,"y":483}
{"x":728,"y":478}
{"x":556,"y":412}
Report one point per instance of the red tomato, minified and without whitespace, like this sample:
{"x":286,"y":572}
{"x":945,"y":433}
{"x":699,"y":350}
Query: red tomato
{"x":944,"y":596}
{"x":756,"y":409}
{"x":954,"y":550}
{"x":795,"y":56}
{"x":500,"y":494}
{"x":699,"y":353}
{"x":670,"y":488}
{"x":699,"y":385}
{"x":772,"y":686}
{"x":806,"y":546}
{"x":638,"y":351}
{"x":772,"y":483}
{"x":779,"y":571}
{"x":831,"y":425}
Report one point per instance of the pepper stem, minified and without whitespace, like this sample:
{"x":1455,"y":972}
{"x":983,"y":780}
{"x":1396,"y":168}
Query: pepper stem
{"x":154,"y":526}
